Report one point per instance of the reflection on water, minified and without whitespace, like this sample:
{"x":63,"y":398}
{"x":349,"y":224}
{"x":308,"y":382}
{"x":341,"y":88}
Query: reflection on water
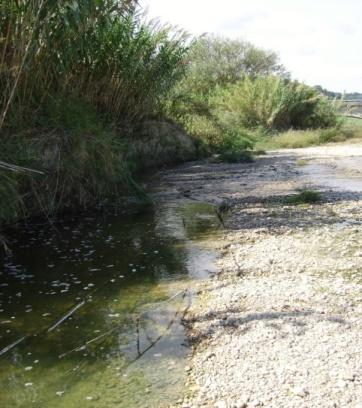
{"x":90,"y":309}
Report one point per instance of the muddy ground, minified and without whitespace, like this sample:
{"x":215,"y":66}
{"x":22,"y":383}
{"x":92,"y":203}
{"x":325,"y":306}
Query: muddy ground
{"x":280,"y":323}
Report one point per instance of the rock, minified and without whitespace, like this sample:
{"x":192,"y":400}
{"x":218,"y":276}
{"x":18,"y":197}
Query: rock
{"x":341,"y":384}
{"x":220,"y":404}
{"x":209,"y":355}
{"x":241,"y":403}
{"x":349,"y":376}
{"x":300,"y":391}
{"x":256,"y":403}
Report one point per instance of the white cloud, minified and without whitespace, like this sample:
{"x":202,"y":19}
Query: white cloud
{"x":320,"y":41}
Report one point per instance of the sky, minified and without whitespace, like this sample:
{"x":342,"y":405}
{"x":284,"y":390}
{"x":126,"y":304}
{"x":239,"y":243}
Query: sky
{"x":319,"y":41}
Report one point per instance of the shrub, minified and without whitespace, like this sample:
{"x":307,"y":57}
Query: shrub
{"x":213,"y":62}
{"x":273,"y":104}
{"x":234,"y":146}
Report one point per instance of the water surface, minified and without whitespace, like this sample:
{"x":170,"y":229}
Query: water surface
{"x":338,"y":173}
{"x":91,"y":308}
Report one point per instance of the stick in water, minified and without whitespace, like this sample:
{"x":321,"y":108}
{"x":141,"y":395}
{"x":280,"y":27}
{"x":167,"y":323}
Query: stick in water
{"x":65,"y":317}
{"x":12,"y":345}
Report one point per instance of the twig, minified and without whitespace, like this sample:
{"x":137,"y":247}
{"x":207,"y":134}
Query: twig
{"x":88,"y":342}
{"x":107,"y":333}
{"x":162,"y":334}
{"x":138,"y":335}
{"x":65,"y":317}
{"x":165,"y":301}
{"x":12,"y":345}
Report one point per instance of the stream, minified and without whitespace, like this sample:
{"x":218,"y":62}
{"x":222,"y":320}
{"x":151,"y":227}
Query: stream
{"x":336,"y":173}
{"x":91,"y":307}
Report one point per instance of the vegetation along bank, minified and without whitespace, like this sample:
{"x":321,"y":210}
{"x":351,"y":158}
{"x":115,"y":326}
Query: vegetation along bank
{"x":91,"y":93}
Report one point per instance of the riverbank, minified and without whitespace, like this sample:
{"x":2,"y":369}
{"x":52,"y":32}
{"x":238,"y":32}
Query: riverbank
{"x":64,"y":172}
{"x":280,"y":324}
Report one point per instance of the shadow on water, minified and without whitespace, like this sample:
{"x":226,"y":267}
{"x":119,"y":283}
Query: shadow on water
{"x":90,"y":311}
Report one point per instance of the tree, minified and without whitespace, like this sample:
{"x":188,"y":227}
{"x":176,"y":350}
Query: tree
{"x":215,"y":60}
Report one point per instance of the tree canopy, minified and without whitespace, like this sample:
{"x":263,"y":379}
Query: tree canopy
{"x":216,"y":60}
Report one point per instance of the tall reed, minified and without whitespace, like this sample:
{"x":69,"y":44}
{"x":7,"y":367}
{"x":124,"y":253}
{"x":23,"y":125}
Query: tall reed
{"x":75,"y":76}
{"x":99,"y":51}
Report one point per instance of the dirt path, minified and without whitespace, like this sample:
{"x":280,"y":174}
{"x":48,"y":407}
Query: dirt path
{"x":280,"y":324}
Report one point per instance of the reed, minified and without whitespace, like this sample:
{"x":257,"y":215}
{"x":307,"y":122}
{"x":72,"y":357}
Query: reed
{"x":76,"y":76}
{"x":99,"y":51}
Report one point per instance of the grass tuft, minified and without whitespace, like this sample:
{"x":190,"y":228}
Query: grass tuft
{"x":294,"y":139}
{"x":301,"y":162}
{"x":304,"y":197}
{"x":244,"y":156}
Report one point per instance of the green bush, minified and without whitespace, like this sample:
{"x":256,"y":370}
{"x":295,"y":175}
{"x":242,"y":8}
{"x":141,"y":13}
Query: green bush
{"x":12,"y":206}
{"x":215,"y":62}
{"x":272,"y":103}
{"x":235,"y":146}
{"x":232,"y":89}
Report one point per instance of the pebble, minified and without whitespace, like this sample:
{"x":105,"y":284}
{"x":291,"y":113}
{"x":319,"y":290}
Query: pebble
{"x":220,"y":404}
{"x":287,"y":331}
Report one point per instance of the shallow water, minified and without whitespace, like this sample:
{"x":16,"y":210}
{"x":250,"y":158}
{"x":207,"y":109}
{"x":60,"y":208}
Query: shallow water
{"x":90,"y":309}
{"x":344,"y":174}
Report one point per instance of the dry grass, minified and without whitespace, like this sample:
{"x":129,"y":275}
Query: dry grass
{"x":293,"y":139}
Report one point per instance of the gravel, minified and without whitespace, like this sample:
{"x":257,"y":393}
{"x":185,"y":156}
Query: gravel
{"x":280,"y":323}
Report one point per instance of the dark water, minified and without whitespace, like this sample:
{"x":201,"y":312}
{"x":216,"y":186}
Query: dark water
{"x":90,"y":309}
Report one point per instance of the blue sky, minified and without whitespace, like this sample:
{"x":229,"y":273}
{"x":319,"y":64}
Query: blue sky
{"x":319,"y":41}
